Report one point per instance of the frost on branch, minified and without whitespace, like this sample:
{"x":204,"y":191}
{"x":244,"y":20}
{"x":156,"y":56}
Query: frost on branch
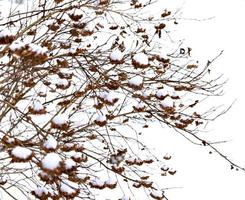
{"x":79,"y":83}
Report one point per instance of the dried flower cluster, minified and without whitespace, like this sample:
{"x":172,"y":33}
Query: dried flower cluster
{"x":78,"y":80}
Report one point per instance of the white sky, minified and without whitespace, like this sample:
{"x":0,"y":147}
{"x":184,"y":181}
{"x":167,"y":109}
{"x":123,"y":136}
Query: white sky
{"x":204,"y":176}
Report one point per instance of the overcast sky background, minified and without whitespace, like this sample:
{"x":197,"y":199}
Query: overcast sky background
{"x":204,"y":176}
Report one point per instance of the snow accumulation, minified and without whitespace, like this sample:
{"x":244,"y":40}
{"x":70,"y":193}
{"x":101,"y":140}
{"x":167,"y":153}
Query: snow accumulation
{"x":167,"y":156}
{"x":161,"y":93}
{"x":157,"y":194}
{"x":63,"y":82}
{"x":100,"y":118}
{"x":69,"y":145}
{"x":37,"y":106}
{"x":136,"y":81}
{"x":10,"y":140}
{"x":109,"y":96}
{"x":4,"y":33}
{"x":116,"y":55}
{"x":110,"y":181}
{"x":139,"y":105}
{"x":141,"y":58}
{"x":60,"y":119}
{"x":147,"y":93}
{"x":51,"y":161}
{"x":167,"y":102}
{"x":98,"y":182}
{"x":21,"y":152}
{"x":69,"y":164}
{"x":174,"y":95}
{"x":51,"y":143}
{"x":68,"y":187}
{"x":37,"y":49}
{"x":76,"y":12}
{"x":72,"y":50}
{"x":165,"y":168}
{"x":163,"y":55}
{"x":16,"y":45}
{"x":40,"y":191}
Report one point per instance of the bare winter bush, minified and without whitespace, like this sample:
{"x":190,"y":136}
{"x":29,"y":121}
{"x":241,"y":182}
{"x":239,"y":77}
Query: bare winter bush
{"x":78,"y":78}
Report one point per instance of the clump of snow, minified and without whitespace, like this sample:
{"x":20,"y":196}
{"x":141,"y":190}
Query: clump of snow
{"x":69,"y":164}
{"x":4,"y":33}
{"x":3,"y":180}
{"x":167,"y":102}
{"x":63,"y":82}
{"x":51,"y":161}
{"x":69,"y":146}
{"x":51,"y":143}
{"x":171,"y":171}
{"x":163,"y":55}
{"x":136,"y":81}
{"x":156,"y":194}
{"x":41,"y":191}
{"x":141,"y":59}
{"x":79,"y":157}
{"x":37,"y":106}
{"x":167,"y":156}
{"x":10,"y":140}
{"x":98,"y":182}
{"x":21,"y":152}
{"x":174,"y":95}
{"x":60,"y":119}
{"x":100,"y":118}
{"x":116,"y":55}
{"x":16,"y":45}
{"x":50,"y":22}
{"x":165,"y":168}
{"x":147,"y":93}
{"x":161,"y":93}
{"x":140,"y":105}
{"x":68,"y":187}
{"x":151,"y":73}
{"x":72,"y":50}
{"x":110,"y":181}
{"x":110,"y":97}
{"x":76,"y":154}
{"x":37,"y":49}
